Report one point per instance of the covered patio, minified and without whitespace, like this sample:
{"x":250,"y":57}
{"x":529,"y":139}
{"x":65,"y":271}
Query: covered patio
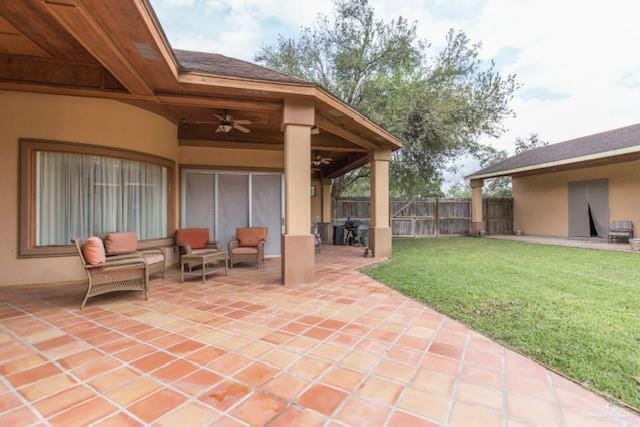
{"x":243,"y":350}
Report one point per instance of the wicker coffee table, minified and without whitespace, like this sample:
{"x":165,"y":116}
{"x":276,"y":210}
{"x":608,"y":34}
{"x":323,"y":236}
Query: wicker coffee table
{"x":205,"y":259}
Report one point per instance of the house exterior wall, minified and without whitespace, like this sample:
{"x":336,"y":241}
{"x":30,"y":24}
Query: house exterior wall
{"x":70,"y":119}
{"x":541,"y":204}
{"x":231,"y":157}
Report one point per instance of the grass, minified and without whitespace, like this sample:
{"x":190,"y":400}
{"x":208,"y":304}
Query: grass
{"x":576,"y":310}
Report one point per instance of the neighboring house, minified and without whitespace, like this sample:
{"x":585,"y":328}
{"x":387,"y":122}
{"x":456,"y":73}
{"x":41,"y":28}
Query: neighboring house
{"x":573,"y":188}
{"x":103,"y":127}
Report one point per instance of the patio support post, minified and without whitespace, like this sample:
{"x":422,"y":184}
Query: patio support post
{"x":477,"y":222}
{"x":379,"y":229}
{"x":327,"y":208}
{"x":298,"y":253}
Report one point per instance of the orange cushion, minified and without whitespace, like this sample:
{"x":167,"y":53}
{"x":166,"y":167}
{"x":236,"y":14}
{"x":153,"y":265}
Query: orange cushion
{"x":93,"y":251}
{"x":197,"y":238}
{"x":251,"y":236}
{"x":120,"y":243}
{"x":245,"y":250}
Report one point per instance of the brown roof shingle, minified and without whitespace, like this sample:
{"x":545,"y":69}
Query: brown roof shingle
{"x":213,"y":63}
{"x":615,"y":139}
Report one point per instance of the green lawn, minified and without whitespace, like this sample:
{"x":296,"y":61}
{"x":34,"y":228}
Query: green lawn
{"x":576,"y":310}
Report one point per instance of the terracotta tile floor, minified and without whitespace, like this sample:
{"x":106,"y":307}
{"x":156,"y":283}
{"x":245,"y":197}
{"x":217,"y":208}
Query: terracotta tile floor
{"x":243,"y":350}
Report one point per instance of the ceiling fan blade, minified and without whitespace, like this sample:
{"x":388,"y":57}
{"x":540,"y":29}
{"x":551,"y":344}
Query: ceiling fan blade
{"x":325,"y":161}
{"x":241,"y":128}
{"x":242,"y":122}
{"x":219,"y":117}
{"x":219,"y":129}
{"x":201,"y":122}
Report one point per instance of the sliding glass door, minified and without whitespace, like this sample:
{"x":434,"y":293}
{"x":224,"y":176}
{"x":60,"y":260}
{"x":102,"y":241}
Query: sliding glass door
{"x":223,"y":201}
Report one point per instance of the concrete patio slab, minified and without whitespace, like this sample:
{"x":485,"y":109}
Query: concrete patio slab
{"x":599,"y":244}
{"x":243,"y":350}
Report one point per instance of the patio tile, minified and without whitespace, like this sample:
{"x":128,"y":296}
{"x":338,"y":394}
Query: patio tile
{"x":153,"y":361}
{"x":118,"y":420}
{"x":433,"y":382}
{"x":256,"y":374}
{"x":280,"y":358}
{"x":322,"y":399}
{"x":96,"y":367}
{"x":134,"y":390}
{"x":189,"y":414}
{"x":185,"y":347}
{"x":465,"y":415}
{"x":428,"y":405}
{"x":46,"y":387}
{"x":225,"y":395}
{"x":358,"y":411}
{"x":21,"y":364}
{"x":85,"y":413}
{"x":9,"y":401}
{"x":293,"y":416}
{"x":488,"y":397}
{"x":174,"y":371}
{"x":154,"y":406}
{"x":113,"y":379}
{"x":403,"y":419}
{"x":258,"y":409}
{"x":34,"y":374}
{"x":205,"y":355}
{"x":16,"y":417}
{"x":534,"y":411}
{"x":229,"y":363}
{"x":197,"y":382}
{"x":381,"y":390}
{"x":286,"y":386}
{"x":309,"y":367}
{"x":345,"y":379}
{"x":394,"y":370}
{"x":63,"y":400}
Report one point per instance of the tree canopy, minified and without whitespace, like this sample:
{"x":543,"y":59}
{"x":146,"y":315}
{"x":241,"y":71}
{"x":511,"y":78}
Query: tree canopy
{"x":440,"y":104}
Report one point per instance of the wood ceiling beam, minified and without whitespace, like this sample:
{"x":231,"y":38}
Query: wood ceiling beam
{"x":79,"y":22}
{"x":343,"y":133}
{"x":199,"y":142}
{"x":221,"y":103}
{"x":350,"y":165}
{"x":53,"y":89}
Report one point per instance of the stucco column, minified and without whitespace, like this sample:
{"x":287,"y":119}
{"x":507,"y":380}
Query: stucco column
{"x":327,"y":208}
{"x":477,"y":222}
{"x":379,"y":229}
{"x":298,"y":254}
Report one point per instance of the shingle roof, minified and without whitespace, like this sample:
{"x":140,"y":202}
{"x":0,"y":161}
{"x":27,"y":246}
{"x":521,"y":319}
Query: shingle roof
{"x":602,"y":142}
{"x":213,"y":63}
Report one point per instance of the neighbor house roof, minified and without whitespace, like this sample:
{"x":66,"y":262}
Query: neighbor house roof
{"x":213,"y":63}
{"x":600,"y":145}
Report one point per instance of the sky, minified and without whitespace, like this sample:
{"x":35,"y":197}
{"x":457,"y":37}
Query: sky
{"x":578,"y":61}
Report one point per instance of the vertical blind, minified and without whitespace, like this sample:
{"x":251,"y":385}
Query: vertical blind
{"x":83,"y":195}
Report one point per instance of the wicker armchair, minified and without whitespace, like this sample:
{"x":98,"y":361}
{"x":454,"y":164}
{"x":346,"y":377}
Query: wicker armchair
{"x":248,"y":246}
{"x":193,"y":241}
{"x":126,"y":273}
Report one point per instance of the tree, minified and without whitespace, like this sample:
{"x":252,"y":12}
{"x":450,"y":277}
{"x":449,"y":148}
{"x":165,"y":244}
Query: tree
{"x":529,"y":143}
{"x":495,"y":187}
{"x":438,"y":105}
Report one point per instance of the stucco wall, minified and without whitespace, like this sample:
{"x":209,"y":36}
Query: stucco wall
{"x":541,"y":204}
{"x":316,"y":202}
{"x":73,"y":119}
{"x":230,"y":157}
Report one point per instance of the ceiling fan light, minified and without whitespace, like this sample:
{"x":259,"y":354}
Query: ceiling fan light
{"x":226,"y":127}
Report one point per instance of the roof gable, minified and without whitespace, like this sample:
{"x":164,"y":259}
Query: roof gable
{"x":599,"y":143}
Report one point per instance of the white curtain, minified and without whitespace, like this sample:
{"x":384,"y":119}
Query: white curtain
{"x":83,"y":195}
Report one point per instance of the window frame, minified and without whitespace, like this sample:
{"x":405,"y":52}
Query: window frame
{"x":28,"y":148}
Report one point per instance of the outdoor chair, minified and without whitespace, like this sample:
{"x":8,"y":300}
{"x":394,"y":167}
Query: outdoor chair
{"x":194,"y":241}
{"x":248,"y":246}
{"x":110,"y":274}
{"x":620,"y":230}
{"x":124,"y":244}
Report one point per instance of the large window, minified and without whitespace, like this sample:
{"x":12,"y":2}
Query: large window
{"x":80,"y":192}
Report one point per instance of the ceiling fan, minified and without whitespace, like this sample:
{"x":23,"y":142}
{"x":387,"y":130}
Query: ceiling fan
{"x":317,"y":161}
{"x":226,"y":123}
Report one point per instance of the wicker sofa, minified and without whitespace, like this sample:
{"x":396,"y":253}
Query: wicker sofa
{"x":248,"y":246}
{"x":117,"y":273}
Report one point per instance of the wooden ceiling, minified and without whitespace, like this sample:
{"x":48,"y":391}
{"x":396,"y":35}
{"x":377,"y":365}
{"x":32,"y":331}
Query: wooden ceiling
{"x":116,"y":49}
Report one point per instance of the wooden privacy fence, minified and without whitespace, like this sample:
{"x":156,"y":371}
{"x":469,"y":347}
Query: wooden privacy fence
{"x":431,"y":216}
